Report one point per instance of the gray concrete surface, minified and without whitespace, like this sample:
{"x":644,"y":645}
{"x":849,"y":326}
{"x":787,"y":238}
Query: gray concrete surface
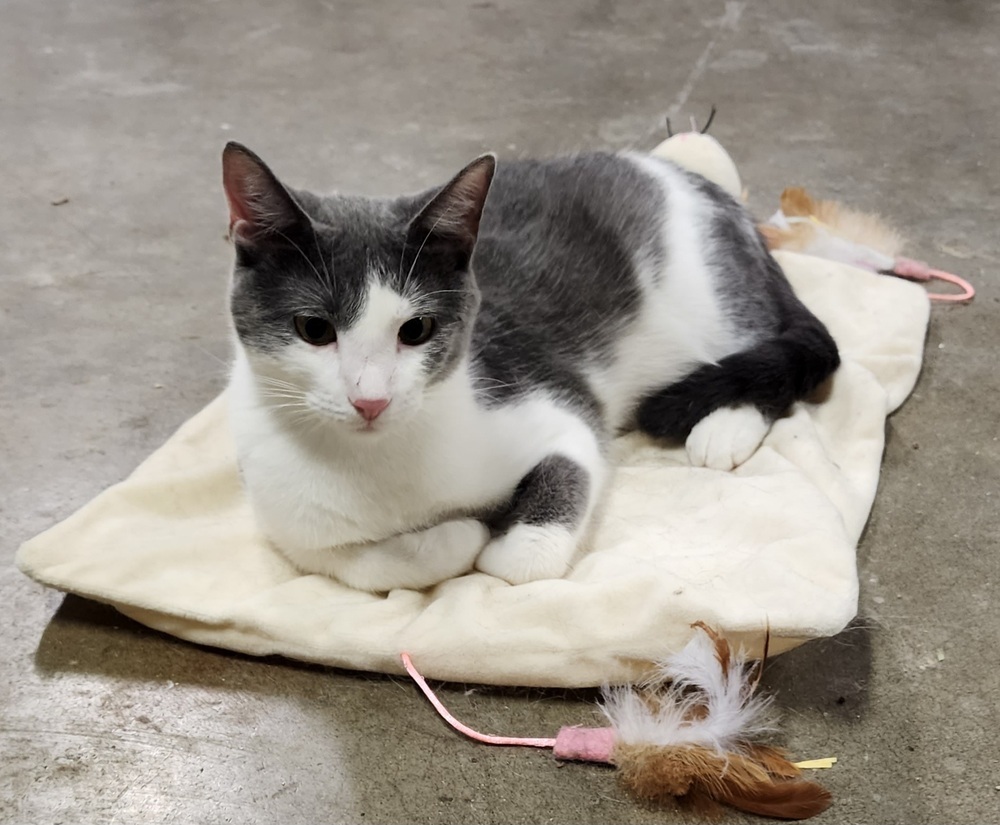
{"x":112,"y":332}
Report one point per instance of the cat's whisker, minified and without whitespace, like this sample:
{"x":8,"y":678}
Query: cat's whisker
{"x":278,"y":382}
{"x":440,"y":292}
{"x":288,"y":407}
{"x":481,"y":378}
{"x":427,"y":237}
{"x":281,"y":403}
{"x":314,"y":290}
{"x":423,"y":301}
{"x":279,"y":388}
{"x":283,"y":392}
{"x":281,"y":395}
{"x":308,"y":421}
{"x":269,"y":392}
{"x":322,"y":259}
{"x":211,"y":355}
{"x":303,"y":254}
{"x":297,"y":412}
{"x":402,"y":256}
{"x":499,"y":385}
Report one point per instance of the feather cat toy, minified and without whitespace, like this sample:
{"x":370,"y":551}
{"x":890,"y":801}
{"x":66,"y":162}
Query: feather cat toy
{"x":827,"y":229}
{"x":689,"y":734}
{"x":804,"y":224}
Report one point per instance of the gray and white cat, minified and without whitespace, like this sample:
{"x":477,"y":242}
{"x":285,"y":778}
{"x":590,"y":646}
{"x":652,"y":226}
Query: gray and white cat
{"x":428,"y":384}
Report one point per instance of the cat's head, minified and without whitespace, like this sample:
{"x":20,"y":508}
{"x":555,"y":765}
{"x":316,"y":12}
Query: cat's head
{"x":351,"y":310}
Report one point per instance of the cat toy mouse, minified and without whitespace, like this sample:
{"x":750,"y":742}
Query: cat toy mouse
{"x":830,"y":230}
{"x":697,"y":151}
{"x":825,"y":229}
{"x":691,"y":734}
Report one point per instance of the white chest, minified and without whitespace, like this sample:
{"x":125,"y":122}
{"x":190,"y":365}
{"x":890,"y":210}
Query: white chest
{"x":311,"y":489}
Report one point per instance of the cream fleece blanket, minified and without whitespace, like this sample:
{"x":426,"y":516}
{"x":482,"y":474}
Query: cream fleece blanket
{"x":773,"y":543}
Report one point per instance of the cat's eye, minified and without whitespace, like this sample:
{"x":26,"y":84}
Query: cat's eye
{"x":314,"y":330}
{"x":417,"y":330}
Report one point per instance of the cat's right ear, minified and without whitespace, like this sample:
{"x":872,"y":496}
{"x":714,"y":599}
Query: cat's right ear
{"x":259,"y":205}
{"x":452,"y":217}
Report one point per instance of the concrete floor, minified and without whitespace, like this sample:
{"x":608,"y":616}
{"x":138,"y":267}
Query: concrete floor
{"x":112,"y":332}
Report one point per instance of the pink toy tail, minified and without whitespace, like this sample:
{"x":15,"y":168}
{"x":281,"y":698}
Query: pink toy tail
{"x":576,"y":744}
{"x":451,"y":720}
{"x":919,"y":271}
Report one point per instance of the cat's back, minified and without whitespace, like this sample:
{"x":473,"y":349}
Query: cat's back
{"x":559,"y":249}
{"x":598,"y":278}
{"x":583,"y":200}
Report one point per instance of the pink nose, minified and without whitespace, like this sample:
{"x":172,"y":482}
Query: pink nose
{"x":370,"y":408}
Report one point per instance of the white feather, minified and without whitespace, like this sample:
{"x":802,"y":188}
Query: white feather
{"x":840,"y":246}
{"x":661,"y":712}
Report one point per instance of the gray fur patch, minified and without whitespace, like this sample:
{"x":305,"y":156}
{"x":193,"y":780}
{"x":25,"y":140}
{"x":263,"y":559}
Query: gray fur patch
{"x":554,"y":492}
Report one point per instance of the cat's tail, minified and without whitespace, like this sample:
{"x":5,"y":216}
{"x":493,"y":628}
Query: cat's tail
{"x":771,"y":376}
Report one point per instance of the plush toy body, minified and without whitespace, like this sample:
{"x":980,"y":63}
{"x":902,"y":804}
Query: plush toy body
{"x":704,"y":155}
{"x":830,"y":230}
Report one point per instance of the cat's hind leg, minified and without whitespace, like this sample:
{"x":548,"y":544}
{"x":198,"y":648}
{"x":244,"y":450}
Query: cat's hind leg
{"x":722,"y":411}
{"x":727,"y":437}
{"x":550,"y":512}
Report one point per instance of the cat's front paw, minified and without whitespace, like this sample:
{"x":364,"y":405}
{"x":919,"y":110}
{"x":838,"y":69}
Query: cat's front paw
{"x":726,"y":438}
{"x":412,"y":561}
{"x":449,"y":549}
{"x":527,"y":553}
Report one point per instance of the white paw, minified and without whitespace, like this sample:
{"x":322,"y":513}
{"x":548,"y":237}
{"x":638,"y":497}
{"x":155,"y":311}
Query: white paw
{"x":527,"y":553}
{"x":411,"y":561}
{"x":450,"y":549}
{"x":727,"y":437}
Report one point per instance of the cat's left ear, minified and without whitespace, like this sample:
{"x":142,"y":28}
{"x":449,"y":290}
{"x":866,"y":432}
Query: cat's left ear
{"x":259,"y":205}
{"x":453,"y":215}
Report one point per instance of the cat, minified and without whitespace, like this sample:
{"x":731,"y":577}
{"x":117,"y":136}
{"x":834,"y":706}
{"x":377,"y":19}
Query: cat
{"x":427,"y":385}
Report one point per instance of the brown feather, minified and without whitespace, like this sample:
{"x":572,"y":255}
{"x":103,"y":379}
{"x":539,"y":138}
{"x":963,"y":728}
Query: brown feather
{"x":773,"y":760}
{"x":722,"y":652}
{"x":797,"y":203}
{"x":754,"y":783}
{"x":796,"y":238}
{"x":763,"y":659}
{"x":784,"y":799}
{"x":774,"y":236}
{"x":759,"y":782}
{"x":661,"y":774}
{"x":752,"y":777}
{"x":860,"y":227}
{"x":856,"y":227}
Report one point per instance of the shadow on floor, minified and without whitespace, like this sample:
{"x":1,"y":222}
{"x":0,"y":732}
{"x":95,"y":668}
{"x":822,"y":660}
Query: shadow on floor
{"x":827,"y":675}
{"x":281,"y":718}
{"x":84,"y":636}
